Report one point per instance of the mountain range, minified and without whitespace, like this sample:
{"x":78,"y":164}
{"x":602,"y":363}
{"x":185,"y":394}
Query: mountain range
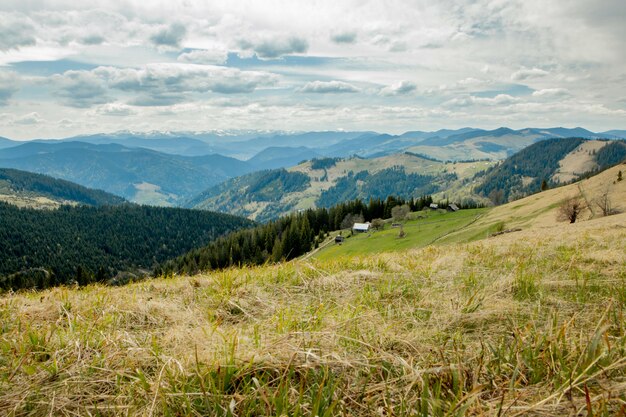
{"x":175,"y":168}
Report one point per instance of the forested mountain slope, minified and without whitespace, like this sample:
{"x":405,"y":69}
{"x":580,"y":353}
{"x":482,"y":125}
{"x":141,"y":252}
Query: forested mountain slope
{"x":140,"y":175}
{"x":555,"y":161}
{"x":326,"y":182}
{"x":40,"y":248}
{"x":36,"y":190}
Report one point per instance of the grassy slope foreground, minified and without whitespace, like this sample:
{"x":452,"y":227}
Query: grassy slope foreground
{"x":526,"y":323}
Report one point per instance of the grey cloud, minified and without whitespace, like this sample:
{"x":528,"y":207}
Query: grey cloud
{"x":324,"y":87}
{"x":167,"y":79}
{"x":170,"y":36}
{"x":344,"y":37}
{"x":80,"y":89}
{"x":92,"y":40}
{"x":155,"y":84}
{"x":15,"y":32}
{"x":276,"y":47}
{"x":8,"y":86}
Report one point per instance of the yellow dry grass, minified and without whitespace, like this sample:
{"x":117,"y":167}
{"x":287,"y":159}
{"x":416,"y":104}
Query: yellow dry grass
{"x":528,"y":323}
{"x":579,"y":161}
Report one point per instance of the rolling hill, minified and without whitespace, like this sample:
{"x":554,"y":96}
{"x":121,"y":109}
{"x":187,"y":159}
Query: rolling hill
{"x":140,"y":175}
{"x":326,"y":182}
{"x":26,"y":189}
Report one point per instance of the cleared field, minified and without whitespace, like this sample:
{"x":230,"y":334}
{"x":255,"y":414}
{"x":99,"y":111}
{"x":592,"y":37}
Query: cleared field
{"x":427,"y":229}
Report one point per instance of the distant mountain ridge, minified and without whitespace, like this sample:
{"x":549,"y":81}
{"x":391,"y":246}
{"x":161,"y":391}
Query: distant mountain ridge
{"x":140,"y":175}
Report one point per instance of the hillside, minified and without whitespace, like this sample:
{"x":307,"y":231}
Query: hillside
{"x":526,"y":323}
{"x":334,"y":180}
{"x":539,"y":211}
{"x":26,"y":189}
{"x":41,"y":248}
{"x":139,"y":175}
{"x":555,"y":161}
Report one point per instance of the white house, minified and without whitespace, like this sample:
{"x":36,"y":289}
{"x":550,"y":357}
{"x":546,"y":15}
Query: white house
{"x":361,"y":227}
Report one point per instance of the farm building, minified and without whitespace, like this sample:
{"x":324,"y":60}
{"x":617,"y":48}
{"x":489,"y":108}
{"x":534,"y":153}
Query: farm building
{"x":361,"y":227}
{"x":433,"y":206}
{"x":339,"y":239}
{"x":453,"y":207}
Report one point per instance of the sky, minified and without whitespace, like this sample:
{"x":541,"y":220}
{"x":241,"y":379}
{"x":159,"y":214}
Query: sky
{"x":77,"y":67}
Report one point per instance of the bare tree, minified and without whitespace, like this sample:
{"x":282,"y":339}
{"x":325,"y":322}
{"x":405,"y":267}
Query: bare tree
{"x":605,"y":204}
{"x":399,"y":213}
{"x":350,"y":219}
{"x":378,"y":224}
{"x":570,"y":209}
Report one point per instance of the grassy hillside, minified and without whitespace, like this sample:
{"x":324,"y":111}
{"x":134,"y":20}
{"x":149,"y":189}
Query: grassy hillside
{"x":337,"y":180}
{"x":555,"y":161}
{"x":26,"y":189}
{"x":423,"y":229}
{"x":521,"y":324}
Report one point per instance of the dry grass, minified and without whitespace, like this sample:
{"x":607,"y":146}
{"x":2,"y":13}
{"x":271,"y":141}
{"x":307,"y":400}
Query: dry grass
{"x":516,"y":325}
{"x":579,"y":161}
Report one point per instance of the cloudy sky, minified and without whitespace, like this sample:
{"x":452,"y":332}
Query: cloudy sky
{"x":394,"y":65}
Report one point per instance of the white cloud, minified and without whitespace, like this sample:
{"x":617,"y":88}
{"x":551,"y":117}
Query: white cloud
{"x":526,"y":73}
{"x":328,"y":87}
{"x":29,"y":119}
{"x":204,"y":56}
{"x":114,"y":109}
{"x":498,"y":100}
{"x":400,"y":88}
{"x":551,"y":92}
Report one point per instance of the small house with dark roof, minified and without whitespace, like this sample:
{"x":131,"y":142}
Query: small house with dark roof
{"x":339,"y":239}
{"x":453,"y":207}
